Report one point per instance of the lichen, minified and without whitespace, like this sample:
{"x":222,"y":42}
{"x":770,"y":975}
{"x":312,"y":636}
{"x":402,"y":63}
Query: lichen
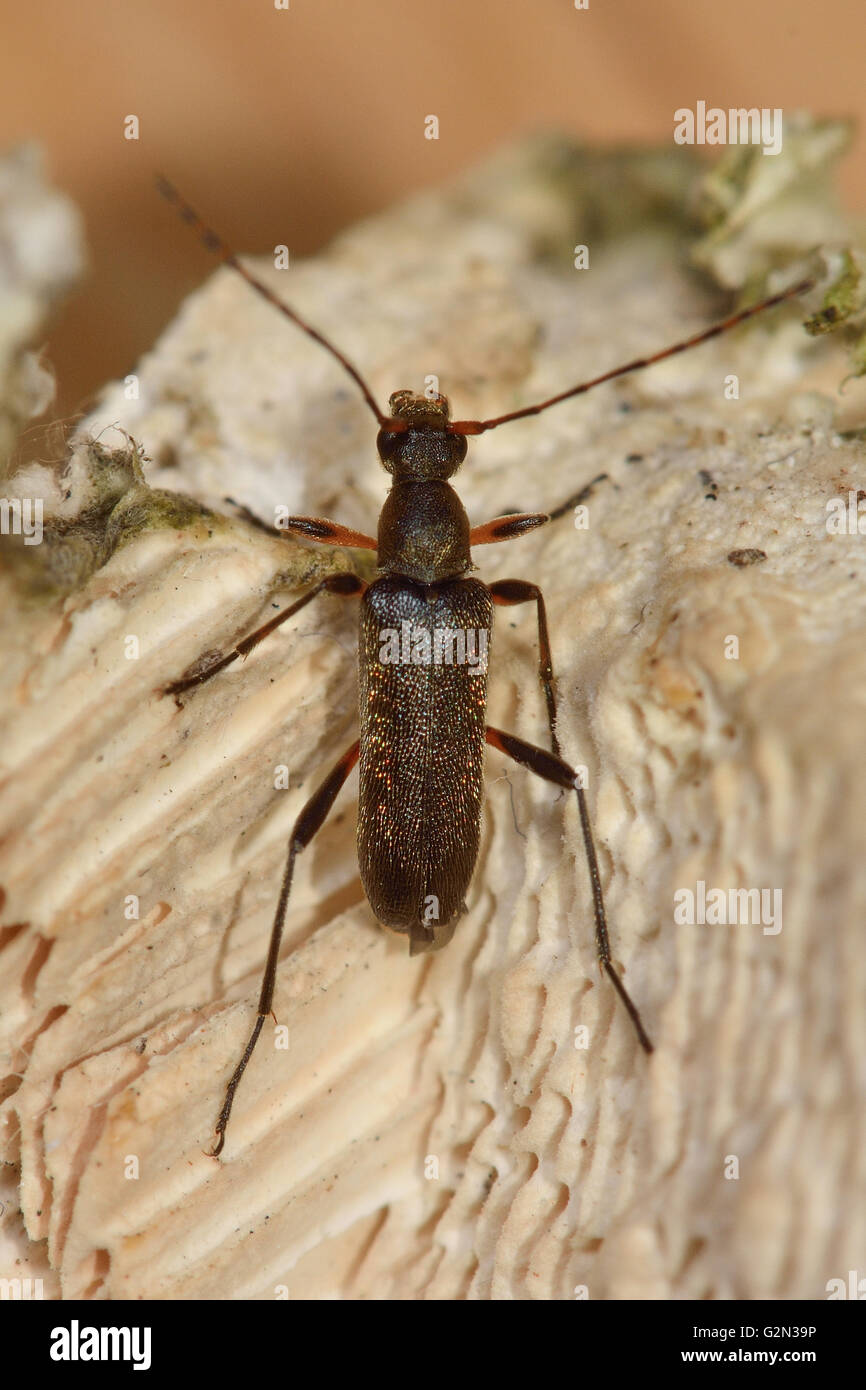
{"x":117,"y":506}
{"x":759,"y":214}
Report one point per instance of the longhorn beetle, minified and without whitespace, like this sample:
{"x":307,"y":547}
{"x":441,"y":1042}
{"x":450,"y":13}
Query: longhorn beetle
{"x":422,"y":717}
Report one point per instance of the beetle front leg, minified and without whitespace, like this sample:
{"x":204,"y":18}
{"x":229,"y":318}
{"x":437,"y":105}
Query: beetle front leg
{"x":313,"y":528}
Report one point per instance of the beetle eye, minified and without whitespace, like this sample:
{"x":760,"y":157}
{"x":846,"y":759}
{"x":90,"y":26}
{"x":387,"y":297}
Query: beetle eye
{"x":388,"y":444}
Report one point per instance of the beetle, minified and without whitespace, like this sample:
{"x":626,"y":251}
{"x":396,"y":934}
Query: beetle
{"x":423,"y":723}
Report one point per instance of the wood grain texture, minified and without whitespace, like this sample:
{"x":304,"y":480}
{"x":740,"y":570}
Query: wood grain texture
{"x":432,"y":1129}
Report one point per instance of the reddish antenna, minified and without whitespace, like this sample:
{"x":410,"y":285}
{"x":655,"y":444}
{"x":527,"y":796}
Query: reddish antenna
{"x":227,"y":256}
{"x":479,"y":426}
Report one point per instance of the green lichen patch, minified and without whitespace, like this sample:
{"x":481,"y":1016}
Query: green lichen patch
{"x":761,"y":213}
{"x":844,"y":306}
{"x":111,"y":505}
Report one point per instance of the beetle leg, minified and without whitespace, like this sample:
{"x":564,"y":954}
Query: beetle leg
{"x":554,"y":769}
{"x":311,"y":820}
{"x":346,"y":585}
{"x":506,"y":528}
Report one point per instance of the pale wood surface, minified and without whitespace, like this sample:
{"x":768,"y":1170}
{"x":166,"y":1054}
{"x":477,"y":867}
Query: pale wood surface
{"x":558,"y":1167}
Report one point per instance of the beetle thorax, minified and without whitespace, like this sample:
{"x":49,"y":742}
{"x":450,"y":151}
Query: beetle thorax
{"x":423,"y":528}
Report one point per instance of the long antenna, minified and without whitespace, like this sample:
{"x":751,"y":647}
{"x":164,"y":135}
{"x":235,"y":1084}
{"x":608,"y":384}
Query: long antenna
{"x":479,"y":426}
{"x":227,"y":256}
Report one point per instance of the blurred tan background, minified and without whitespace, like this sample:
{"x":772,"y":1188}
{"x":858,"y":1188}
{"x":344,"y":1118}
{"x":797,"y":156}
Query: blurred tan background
{"x":284,"y":125}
